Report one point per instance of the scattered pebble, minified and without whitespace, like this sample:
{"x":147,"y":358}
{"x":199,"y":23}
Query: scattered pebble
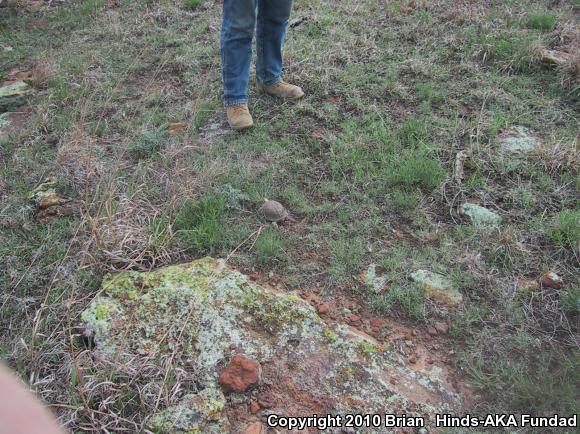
{"x":254,"y":428}
{"x":240,"y":375}
{"x":437,"y":287}
{"x":478,"y":215}
{"x":254,"y":407}
{"x":323,"y":309}
{"x":517,"y":140}
{"x":551,"y":280}
{"x":524,"y":284}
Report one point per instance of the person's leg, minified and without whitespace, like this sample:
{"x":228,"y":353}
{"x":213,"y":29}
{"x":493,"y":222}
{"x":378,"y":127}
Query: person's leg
{"x":238,"y":24}
{"x":273,"y":16}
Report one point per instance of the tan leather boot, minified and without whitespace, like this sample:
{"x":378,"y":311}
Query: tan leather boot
{"x":282,"y":90}
{"x":239,"y":117}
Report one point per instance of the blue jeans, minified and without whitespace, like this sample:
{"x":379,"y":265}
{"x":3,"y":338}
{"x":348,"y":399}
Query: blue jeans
{"x":269,"y":18}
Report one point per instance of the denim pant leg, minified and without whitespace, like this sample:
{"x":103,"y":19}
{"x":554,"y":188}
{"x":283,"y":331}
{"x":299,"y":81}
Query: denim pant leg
{"x":273,"y":18}
{"x":238,"y":24}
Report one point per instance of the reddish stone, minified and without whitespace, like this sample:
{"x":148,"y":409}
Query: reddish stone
{"x":551,"y":280}
{"x":412,"y":359}
{"x":354,"y":318}
{"x":322,"y":309}
{"x":441,"y":327}
{"x":524,"y":284}
{"x":240,"y":374}
{"x":254,"y":428}
{"x":254,"y":407}
{"x":376,"y":323}
{"x":431,"y":331}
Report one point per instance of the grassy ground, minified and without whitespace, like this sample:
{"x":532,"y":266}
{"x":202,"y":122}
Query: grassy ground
{"x":127,"y":117}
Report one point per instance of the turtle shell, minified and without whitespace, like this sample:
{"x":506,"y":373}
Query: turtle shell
{"x":274,"y":211}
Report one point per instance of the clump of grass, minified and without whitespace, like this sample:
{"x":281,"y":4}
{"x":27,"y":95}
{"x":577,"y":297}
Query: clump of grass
{"x":430,"y":92}
{"x":415,"y":170}
{"x":405,"y":200}
{"x":570,"y":300}
{"x":345,"y":258}
{"x":409,"y":301}
{"x":147,"y":144}
{"x":200,"y":222}
{"x":544,"y":21}
{"x":412,"y":132}
{"x":192,"y":4}
{"x":540,"y":383}
{"x":512,"y":50}
{"x":269,"y":246}
{"x":566,"y":230}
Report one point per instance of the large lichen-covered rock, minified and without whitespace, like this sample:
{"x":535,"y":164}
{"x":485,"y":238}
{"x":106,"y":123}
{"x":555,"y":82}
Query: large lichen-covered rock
{"x":202,"y":313}
{"x":437,"y":287}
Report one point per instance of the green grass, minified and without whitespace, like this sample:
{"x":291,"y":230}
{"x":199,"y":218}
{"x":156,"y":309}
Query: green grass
{"x":192,"y":4}
{"x":565,"y":231}
{"x":200,"y":222}
{"x":269,"y":246}
{"x":147,"y":144}
{"x":545,"y":21}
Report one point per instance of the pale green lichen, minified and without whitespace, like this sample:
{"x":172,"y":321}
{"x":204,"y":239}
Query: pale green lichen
{"x":479,"y":215}
{"x":196,"y":413}
{"x":437,"y":287}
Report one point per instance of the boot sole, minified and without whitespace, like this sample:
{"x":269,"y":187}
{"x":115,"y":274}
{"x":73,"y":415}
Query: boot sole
{"x":241,"y":128}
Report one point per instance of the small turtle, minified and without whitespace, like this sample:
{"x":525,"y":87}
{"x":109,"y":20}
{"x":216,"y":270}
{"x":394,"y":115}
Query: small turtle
{"x":274,"y":211}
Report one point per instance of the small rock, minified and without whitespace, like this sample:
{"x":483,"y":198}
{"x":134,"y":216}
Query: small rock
{"x":376,"y":323}
{"x":354,"y":318}
{"x":437,"y":287}
{"x":412,"y":359}
{"x":322,"y":309}
{"x":14,"y":95}
{"x":524,"y":284}
{"x":555,"y":57}
{"x":551,"y":280}
{"x":254,"y":428}
{"x":48,"y":199}
{"x":241,"y":374}
{"x":372,"y":280}
{"x":393,"y":381}
{"x":441,"y":327}
{"x":254,"y":407}
{"x":517,"y":140}
{"x":431,"y":331}
{"x":479,"y":215}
